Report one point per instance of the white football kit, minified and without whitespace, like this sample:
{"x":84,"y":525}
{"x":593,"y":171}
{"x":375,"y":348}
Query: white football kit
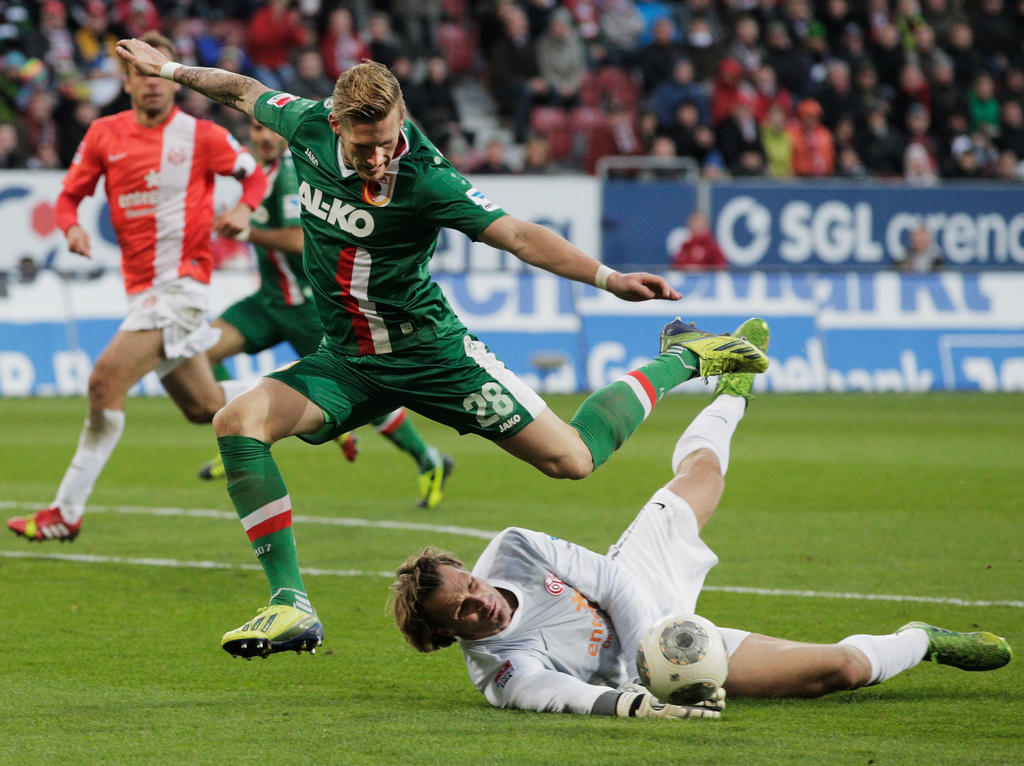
{"x":580,"y":615}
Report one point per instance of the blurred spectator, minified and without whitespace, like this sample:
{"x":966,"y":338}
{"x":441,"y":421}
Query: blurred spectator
{"x":881,"y":146}
{"x":700,"y":251}
{"x":1011,"y":133}
{"x":656,"y":59}
{"x":836,"y":17}
{"x":813,"y":146}
{"x":725,"y":90}
{"x":968,"y":163}
{"x":993,"y":36}
{"x":746,"y":46}
{"x":678,"y":88}
{"x":739,"y":139}
{"x":662,"y":148}
{"x":869,"y":92}
{"x":137,"y":17}
{"x":340,"y":46}
{"x":922,"y":255}
{"x":777,"y":143}
{"x":887,"y":53}
{"x":73,"y":115}
{"x":967,"y":61}
{"x":703,"y":47}
{"x":790,"y":64}
{"x":27,"y":270}
{"x":690,"y":137}
{"x":946,"y":95}
{"x":560,"y":59}
{"x":768,"y":93}
{"x":912,"y":88}
{"x":495,"y":158}
{"x":621,"y":26}
{"x":848,"y":164}
{"x":940,"y":15}
{"x":836,"y":96}
{"x":982,"y":104}
{"x":919,"y":132}
{"x":420,"y":20}
{"x":537,"y":157}
{"x":94,"y":54}
{"x":918,"y":169}
{"x":852,"y":48}
{"x":1008,"y":167}
{"x":430,"y":101}
{"x":11,"y":155}
{"x":514,"y":75}
{"x":308,"y":79}
{"x":925,"y":50}
{"x":55,"y":36}
{"x":384,"y":45}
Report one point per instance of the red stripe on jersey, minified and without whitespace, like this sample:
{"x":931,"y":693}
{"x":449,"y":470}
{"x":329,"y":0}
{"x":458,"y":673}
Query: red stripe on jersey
{"x":274,"y":524}
{"x":645,"y":384}
{"x":361,"y":327}
{"x":282,"y":278}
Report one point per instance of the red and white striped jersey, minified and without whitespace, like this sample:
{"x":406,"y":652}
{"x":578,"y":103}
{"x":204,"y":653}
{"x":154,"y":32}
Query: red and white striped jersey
{"x":159,"y":183}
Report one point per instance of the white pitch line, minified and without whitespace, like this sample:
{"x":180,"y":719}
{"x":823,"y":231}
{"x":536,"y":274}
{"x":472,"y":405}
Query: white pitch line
{"x":467,"y":531}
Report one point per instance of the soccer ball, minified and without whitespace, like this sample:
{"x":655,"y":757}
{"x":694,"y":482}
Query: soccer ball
{"x":682,"y":659}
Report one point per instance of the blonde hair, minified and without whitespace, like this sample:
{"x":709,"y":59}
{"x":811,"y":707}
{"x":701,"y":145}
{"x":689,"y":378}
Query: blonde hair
{"x":367,"y":92}
{"x":418,"y":580}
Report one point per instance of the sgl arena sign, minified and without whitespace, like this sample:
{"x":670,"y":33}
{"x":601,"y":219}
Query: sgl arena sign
{"x":858,"y":226}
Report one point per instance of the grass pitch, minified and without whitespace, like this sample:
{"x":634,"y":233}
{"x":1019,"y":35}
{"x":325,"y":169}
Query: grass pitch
{"x":842,"y":514}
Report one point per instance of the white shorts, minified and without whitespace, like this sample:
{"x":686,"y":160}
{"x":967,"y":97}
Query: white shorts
{"x":179,"y":309}
{"x":663,"y":550}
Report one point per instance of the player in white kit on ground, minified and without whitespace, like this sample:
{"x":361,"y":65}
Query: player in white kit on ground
{"x":547,"y":625}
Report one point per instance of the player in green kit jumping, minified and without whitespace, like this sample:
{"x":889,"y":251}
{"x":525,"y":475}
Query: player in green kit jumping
{"x":375,"y":194}
{"x":283,"y":310}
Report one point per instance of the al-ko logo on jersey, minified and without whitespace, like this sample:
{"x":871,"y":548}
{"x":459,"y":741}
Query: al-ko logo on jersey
{"x":346,"y":217}
{"x":869,"y":232}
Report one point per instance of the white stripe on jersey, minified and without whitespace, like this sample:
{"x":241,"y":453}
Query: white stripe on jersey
{"x":362,"y":264}
{"x":494,"y":367}
{"x":290,"y":286}
{"x":177,"y":154}
{"x":268,"y":511}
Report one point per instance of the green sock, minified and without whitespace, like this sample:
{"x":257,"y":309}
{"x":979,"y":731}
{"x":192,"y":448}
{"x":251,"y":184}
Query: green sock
{"x":220,"y":372}
{"x":399,"y":430}
{"x":263,"y":505}
{"x":610,"y":416}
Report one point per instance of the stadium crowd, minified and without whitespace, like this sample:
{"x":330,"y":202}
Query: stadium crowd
{"x":891,"y":89}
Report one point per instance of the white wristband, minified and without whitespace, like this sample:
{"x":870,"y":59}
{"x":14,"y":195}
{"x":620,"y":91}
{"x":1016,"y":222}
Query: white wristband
{"x":167,"y":70}
{"x":601,"y":277}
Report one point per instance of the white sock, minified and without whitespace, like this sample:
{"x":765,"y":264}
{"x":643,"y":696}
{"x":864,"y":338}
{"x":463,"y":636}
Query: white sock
{"x":712,"y":429}
{"x":892,"y":654}
{"x":94,"y":448}
{"x":232,"y":388}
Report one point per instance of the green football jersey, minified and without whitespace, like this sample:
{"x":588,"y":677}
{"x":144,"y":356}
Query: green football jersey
{"x":282,"y":279}
{"x":367,"y":249}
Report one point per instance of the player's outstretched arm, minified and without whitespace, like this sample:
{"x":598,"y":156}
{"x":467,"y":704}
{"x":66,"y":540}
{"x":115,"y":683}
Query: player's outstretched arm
{"x":541,"y":247}
{"x":228,"y":88}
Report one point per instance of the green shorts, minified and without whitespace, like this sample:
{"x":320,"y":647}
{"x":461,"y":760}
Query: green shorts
{"x":454,"y":380}
{"x":266,"y":323}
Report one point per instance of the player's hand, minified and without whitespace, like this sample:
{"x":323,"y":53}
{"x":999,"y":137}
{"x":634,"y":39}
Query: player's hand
{"x":646,"y":705}
{"x":78,"y":241}
{"x":640,"y":286}
{"x":233,"y":222}
{"x":144,"y":56}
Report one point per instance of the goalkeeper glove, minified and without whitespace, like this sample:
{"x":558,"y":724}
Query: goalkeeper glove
{"x":646,"y":705}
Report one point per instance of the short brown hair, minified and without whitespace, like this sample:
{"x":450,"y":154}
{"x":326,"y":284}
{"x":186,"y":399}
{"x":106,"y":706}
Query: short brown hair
{"x":367,"y":92}
{"x":418,"y":580}
{"x":157,"y":40}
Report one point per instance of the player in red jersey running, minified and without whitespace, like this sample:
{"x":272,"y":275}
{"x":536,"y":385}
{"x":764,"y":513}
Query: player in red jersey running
{"x":159,"y":164}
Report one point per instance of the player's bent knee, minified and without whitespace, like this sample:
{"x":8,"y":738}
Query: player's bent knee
{"x":199,"y":412}
{"x":229,"y":421}
{"x":852,"y":670}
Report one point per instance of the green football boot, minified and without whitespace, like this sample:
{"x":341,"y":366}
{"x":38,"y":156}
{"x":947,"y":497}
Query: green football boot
{"x":718,"y":354}
{"x":968,"y":651}
{"x":756,"y":331}
{"x":431,"y":483}
{"x":275,"y":628}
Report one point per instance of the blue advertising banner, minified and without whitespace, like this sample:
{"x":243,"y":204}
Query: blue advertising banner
{"x":643,"y":224}
{"x":844,"y":226}
{"x":843,"y":331}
